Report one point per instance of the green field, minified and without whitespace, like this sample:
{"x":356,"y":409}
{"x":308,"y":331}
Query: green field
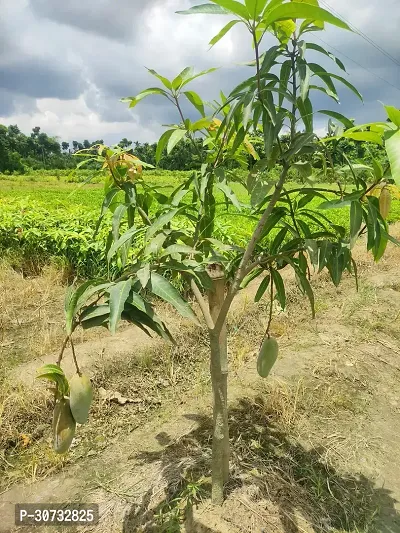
{"x":44,"y":218}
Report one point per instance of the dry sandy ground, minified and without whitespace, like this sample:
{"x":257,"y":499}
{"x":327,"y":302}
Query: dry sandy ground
{"x":315,"y":449}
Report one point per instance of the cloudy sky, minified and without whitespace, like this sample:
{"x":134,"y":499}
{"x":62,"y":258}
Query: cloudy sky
{"x":65,"y":65}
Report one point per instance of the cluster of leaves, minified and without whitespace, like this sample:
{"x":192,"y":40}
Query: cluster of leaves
{"x":278,"y":96}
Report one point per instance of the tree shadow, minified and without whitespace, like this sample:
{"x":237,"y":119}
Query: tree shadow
{"x":294,"y":479}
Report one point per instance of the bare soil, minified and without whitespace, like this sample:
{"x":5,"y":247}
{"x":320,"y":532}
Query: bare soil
{"x":314,"y":448}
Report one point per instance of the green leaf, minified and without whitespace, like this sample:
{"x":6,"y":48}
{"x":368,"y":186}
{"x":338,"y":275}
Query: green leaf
{"x":366,"y":136}
{"x":134,"y":100}
{"x":79,"y":297}
{"x":392,"y":144}
{"x":116,"y":220}
{"x":223,"y":32}
{"x":196,"y":101}
{"x":162,"y":288}
{"x":338,"y":116}
{"x":50,"y":369}
{"x":175,"y":137}
{"x":255,"y":7}
{"x":202,"y":73}
{"x":296,"y":10}
{"x":260,"y":191}
{"x":327,"y":91}
{"x":183,"y":76}
{"x":324,"y":75}
{"x":356,"y":217}
{"x":179,"y":249}
{"x":280,"y":288}
{"x":276,"y":243}
{"x":344,"y":202}
{"x":207,"y":9}
{"x":249,"y":278}
{"x":284,"y":79}
{"x":393,"y":114}
{"x":262,"y":288}
{"x":118,"y":295}
{"x":162,"y":144}
{"x":305,"y":284}
{"x":163,"y":80}
{"x":228,"y":193}
{"x":306,"y":112}
{"x":161,"y":222}
{"x":121,"y":241}
{"x":317,"y":48}
{"x":155,"y":244}
{"x":143,"y":275}
{"x":234,"y":7}
{"x":305,"y":75}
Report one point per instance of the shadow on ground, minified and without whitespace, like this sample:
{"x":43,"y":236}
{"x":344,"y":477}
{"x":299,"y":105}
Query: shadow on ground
{"x":275,"y":470}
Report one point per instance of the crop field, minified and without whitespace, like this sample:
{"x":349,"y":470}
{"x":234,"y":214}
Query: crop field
{"x":44,"y":220}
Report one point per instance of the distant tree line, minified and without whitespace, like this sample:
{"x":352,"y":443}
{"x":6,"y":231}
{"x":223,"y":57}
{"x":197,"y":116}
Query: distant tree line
{"x":19,"y":152}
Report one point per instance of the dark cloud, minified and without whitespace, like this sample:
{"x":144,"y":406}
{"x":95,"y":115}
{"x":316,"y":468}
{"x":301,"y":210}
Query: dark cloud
{"x":116,"y":20}
{"x":39,"y":79}
{"x":98,"y":50}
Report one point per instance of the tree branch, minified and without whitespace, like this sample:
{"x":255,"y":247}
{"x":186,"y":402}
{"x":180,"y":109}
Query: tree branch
{"x":241,"y":272}
{"x":203,"y":305}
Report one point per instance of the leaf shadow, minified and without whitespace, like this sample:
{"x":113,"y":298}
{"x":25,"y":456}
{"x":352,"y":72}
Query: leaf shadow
{"x":294,"y":479}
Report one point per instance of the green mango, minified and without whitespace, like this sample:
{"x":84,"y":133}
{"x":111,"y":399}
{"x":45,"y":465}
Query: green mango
{"x":80,"y":397}
{"x":267,"y":356}
{"x":64,"y":426}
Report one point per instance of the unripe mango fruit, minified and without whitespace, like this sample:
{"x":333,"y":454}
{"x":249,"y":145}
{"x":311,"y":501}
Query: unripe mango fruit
{"x":80,"y":397}
{"x":63,"y":426}
{"x":267,"y":356}
{"x":385,"y":202}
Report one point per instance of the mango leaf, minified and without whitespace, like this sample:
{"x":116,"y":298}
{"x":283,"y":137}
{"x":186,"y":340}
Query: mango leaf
{"x":305,"y":285}
{"x":116,"y":220}
{"x":318,"y":48}
{"x":162,"y":288}
{"x":122,"y":240}
{"x":393,"y":114}
{"x":79,"y":297}
{"x":306,"y":112}
{"x":234,"y":7}
{"x":179,"y":249}
{"x":118,"y":295}
{"x":327,"y":91}
{"x":255,"y":7}
{"x":342,"y":80}
{"x":163,"y":80}
{"x":392,"y":143}
{"x":338,"y":116}
{"x":297,"y":10}
{"x":161,"y":222}
{"x":223,"y":32}
{"x":366,"y":136}
{"x":143,"y":275}
{"x":134,"y":100}
{"x":280,"y":288}
{"x":206,"y":9}
{"x":262,"y":288}
{"x":175,"y":137}
{"x":356,"y":217}
{"x":196,"y":101}
{"x":162,"y":143}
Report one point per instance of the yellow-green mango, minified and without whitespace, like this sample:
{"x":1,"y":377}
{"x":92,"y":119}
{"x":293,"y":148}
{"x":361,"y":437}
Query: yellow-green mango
{"x":64,"y":426}
{"x":80,"y":397}
{"x":267,"y":356}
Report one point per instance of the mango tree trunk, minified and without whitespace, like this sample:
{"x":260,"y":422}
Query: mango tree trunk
{"x":219,"y":379}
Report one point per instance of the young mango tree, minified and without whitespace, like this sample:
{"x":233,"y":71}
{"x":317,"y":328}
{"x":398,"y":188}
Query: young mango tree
{"x":158,"y":235}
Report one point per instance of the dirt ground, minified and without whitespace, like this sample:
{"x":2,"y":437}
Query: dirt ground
{"x":315,"y":447}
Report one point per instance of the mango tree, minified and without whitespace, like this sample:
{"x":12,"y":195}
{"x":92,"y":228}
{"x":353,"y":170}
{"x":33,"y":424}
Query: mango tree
{"x":158,"y":236}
